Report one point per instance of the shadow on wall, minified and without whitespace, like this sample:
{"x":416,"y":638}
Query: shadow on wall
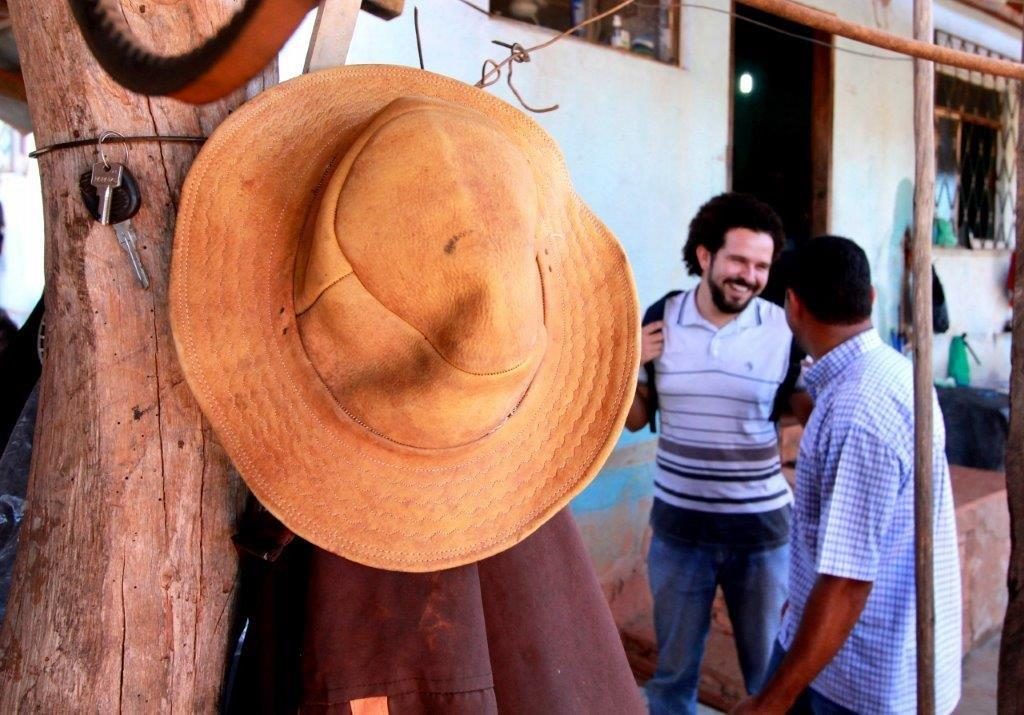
{"x":612,"y":514}
{"x":887,"y":265}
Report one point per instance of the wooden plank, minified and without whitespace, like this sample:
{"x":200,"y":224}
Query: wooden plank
{"x":921,"y":259}
{"x":124,"y":585}
{"x":332,"y":34}
{"x":1011,"y":649}
{"x":821,"y":133}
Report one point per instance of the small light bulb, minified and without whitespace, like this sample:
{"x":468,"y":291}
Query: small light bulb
{"x":746,"y":83}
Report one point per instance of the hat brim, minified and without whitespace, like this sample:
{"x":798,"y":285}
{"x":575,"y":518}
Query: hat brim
{"x":325,"y":476}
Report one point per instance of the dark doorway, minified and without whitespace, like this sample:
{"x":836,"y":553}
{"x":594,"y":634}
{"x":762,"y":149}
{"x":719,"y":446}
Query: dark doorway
{"x":782,"y":118}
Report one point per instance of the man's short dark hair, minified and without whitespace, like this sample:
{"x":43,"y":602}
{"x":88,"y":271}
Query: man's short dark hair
{"x":832,"y":278}
{"x":724,"y":213}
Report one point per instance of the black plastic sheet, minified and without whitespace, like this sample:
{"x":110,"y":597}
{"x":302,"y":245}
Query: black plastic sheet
{"x":977,"y":424}
{"x":14,"y":470}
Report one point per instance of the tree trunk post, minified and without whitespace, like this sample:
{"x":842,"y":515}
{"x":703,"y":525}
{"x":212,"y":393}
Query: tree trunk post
{"x":124,"y":584}
{"x":1011,"y":649}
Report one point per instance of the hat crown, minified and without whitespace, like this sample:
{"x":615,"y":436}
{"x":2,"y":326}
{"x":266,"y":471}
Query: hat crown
{"x":438,"y":218}
{"x":434,"y":213}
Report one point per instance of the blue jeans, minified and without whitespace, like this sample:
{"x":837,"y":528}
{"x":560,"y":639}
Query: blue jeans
{"x":683,"y":580}
{"x":810,"y":702}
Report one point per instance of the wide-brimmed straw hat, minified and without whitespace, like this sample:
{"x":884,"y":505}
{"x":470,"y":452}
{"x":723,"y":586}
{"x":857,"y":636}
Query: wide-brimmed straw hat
{"x":413,"y":339}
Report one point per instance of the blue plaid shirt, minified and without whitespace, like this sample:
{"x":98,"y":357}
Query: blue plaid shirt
{"x":854,"y":517}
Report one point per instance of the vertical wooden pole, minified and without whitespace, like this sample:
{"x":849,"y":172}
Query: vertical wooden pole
{"x":333,"y":29}
{"x":1011,"y":648}
{"x":821,"y":131}
{"x":124,"y":583}
{"x":924,"y":212}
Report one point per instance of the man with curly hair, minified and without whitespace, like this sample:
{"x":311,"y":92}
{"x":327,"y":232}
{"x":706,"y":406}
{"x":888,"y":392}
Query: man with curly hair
{"x":723,"y":364}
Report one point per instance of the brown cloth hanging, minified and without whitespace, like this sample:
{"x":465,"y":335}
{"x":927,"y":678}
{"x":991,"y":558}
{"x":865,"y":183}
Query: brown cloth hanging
{"x":525,"y":631}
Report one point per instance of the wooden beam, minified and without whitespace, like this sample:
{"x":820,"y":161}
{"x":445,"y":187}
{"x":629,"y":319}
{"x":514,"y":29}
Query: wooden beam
{"x":924,"y":489}
{"x":332,"y":34}
{"x":918,"y":47}
{"x":1010,"y":697}
{"x":334,"y":26}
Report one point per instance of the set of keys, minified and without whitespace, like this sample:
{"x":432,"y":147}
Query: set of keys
{"x":112,"y":196}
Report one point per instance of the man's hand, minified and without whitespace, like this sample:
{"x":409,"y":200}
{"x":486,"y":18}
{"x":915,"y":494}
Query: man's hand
{"x":652,"y":341}
{"x":801,"y":405}
{"x":637,"y":416}
{"x":751,"y":706}
{"x":831,"y":612}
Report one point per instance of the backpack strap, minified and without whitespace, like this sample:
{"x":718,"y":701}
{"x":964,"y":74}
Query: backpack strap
{"x":654,"y":313}
{"x":788,"y":386}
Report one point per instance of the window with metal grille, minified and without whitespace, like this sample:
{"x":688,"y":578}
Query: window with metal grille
{"x":976,"y":146}
{"x":649,"y":29}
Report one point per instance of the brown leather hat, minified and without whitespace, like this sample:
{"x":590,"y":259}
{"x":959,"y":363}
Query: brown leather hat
{"x":413,"y":339}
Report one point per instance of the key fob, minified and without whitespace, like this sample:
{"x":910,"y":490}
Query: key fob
{"x":124,"y":202}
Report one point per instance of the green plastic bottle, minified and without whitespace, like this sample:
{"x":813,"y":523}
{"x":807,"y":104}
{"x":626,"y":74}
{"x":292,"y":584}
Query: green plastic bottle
{"x":959,"y":364}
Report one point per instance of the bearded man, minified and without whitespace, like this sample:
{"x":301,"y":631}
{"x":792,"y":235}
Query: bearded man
{"x":723,"y":364}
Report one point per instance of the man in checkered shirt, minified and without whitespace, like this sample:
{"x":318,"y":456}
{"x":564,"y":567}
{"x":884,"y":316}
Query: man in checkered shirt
{"x":847,"y":641}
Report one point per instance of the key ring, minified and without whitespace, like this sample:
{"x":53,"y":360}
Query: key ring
{"x":99,"y":147}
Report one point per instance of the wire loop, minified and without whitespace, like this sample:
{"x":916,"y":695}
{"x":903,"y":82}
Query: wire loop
{"x":99,"y":147}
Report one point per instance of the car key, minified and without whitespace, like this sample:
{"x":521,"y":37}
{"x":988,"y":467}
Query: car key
{"x":123,"y":201}
{"x":106,"y":177}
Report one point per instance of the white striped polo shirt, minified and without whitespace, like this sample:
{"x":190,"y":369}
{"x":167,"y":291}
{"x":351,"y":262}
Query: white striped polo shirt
{"x":718,"y":449}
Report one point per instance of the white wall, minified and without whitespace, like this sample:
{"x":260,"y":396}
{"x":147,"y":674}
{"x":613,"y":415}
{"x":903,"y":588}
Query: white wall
{"x":21,"y":264}
{"x":974,"y":283}
{"x":873,"y":148}
{"x":647,"y":143}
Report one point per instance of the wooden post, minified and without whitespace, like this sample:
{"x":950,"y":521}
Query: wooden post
{"x":821,"y":131}
{"x":924,"y":213}
{"x":1011,"y":648}
{"x":332,"y":34}
{"x":124,"y":583}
